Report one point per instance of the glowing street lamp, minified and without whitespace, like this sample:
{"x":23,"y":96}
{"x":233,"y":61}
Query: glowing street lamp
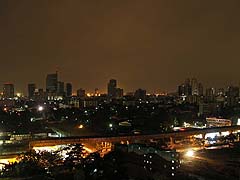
{"x":189,"y":153}
{"x":80,"y":126}
{"x":40,"y":108}
{"x":19,"y":94}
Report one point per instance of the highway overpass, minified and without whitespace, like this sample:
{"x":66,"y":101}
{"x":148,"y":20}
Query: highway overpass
{"x":129,"y":138}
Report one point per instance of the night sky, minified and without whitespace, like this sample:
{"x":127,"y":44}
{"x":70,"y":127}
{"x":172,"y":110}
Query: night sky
{"x":142,"y":43}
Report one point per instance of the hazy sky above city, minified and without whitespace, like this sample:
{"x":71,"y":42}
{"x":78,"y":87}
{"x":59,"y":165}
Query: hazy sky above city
{"x":142,"y":43}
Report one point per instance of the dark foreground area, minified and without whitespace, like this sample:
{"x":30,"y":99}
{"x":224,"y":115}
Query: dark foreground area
{"x":72,"y":163}
{"x":210,"y":164}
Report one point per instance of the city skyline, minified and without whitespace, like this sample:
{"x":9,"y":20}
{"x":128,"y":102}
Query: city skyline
{"x":74,"y":89}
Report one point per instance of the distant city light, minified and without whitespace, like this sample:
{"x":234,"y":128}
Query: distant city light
{"x":19,"y":94}
{"x":110,"y":125}
{"x":211,"y":135}
{"x":200,"y":136}
{"x":238,"y":122}
{"x":40,"y":108}
{"x":225,"y":133}
{"x":80,"y":126}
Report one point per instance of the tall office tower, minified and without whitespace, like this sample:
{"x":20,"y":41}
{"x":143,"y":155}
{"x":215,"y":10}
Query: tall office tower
{"x":41,"y":94}
{"x":52,"y":83}
{"x":69,"y":89}
{"x":194,"y":85}
{"x":221,"y":92}
{"x":31,"y":90}
{"x":60,"y":88}
{"x":187,"y":81}
{"x":112,"y":85}
{"x":181,"y":90}
{"x":81,"y":93}
{"x":200,"y":89}
{"x":210,"y":94}
{"x":232,"y":95}
{"x":233,"y":91}
{"x":185,"y":89}
{"x":8,"y":90}
{"x":140,"y":94}
{"x":119,"y":93}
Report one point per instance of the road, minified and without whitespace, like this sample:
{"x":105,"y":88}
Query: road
{"x":220,"y":163}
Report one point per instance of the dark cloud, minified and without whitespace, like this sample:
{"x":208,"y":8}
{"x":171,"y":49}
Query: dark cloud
{"x":142,"y":43}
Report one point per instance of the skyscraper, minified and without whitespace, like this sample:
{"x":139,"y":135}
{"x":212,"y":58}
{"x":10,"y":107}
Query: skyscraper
{"x":69,"y":89}
{"x":8,"y":90}
{"x":185,"y":89}
{"x":190,"y":87}
{"x":52,"y":83}
{"x":81,"y":93}
{"x":194,"y":85}
{"x":232,"y":95}
{"x":140,"y":94}
{"x":112,"y":86}
{"x":119,"y":92}
{"x":200,"y":89}
{"x":60,"y":88}
{"x":31,"y":90}
{"x":210,"y":95}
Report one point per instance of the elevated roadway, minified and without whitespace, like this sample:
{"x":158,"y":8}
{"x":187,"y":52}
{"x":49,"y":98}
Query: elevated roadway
{"x":129,"y":138}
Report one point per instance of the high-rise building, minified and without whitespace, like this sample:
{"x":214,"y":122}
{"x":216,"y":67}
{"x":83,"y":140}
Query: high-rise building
{"x":52,"y":83}
{"x":221,"y":92}
{"x":184,"y":90}
{"x":81,"y":93}
{"x":200,"y":89}
{"x":194,"y":85}
{"x":31,"y":90}
{"x":119,"y":93}
{"x":60,"y":88}
{"x":187,"y":81}
{"x":8,"y":90}
{"x":210,"y":92}
{"x":232,"y":95}
{"x":140,"y":94}
{"x":233,"y":91}
{"x":210,"y":95}
{"x":69,"y":89}
{"x":40,"y":95}
{"x":190,"y":87}
{"x":112,"y":85}
{"x":181,"y":90}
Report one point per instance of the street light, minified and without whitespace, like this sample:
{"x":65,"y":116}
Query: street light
{"x":40,"y":108}
{"x":189,"y":153}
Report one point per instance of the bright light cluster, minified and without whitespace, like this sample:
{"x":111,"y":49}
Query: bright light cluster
{"x":190,"y":153}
